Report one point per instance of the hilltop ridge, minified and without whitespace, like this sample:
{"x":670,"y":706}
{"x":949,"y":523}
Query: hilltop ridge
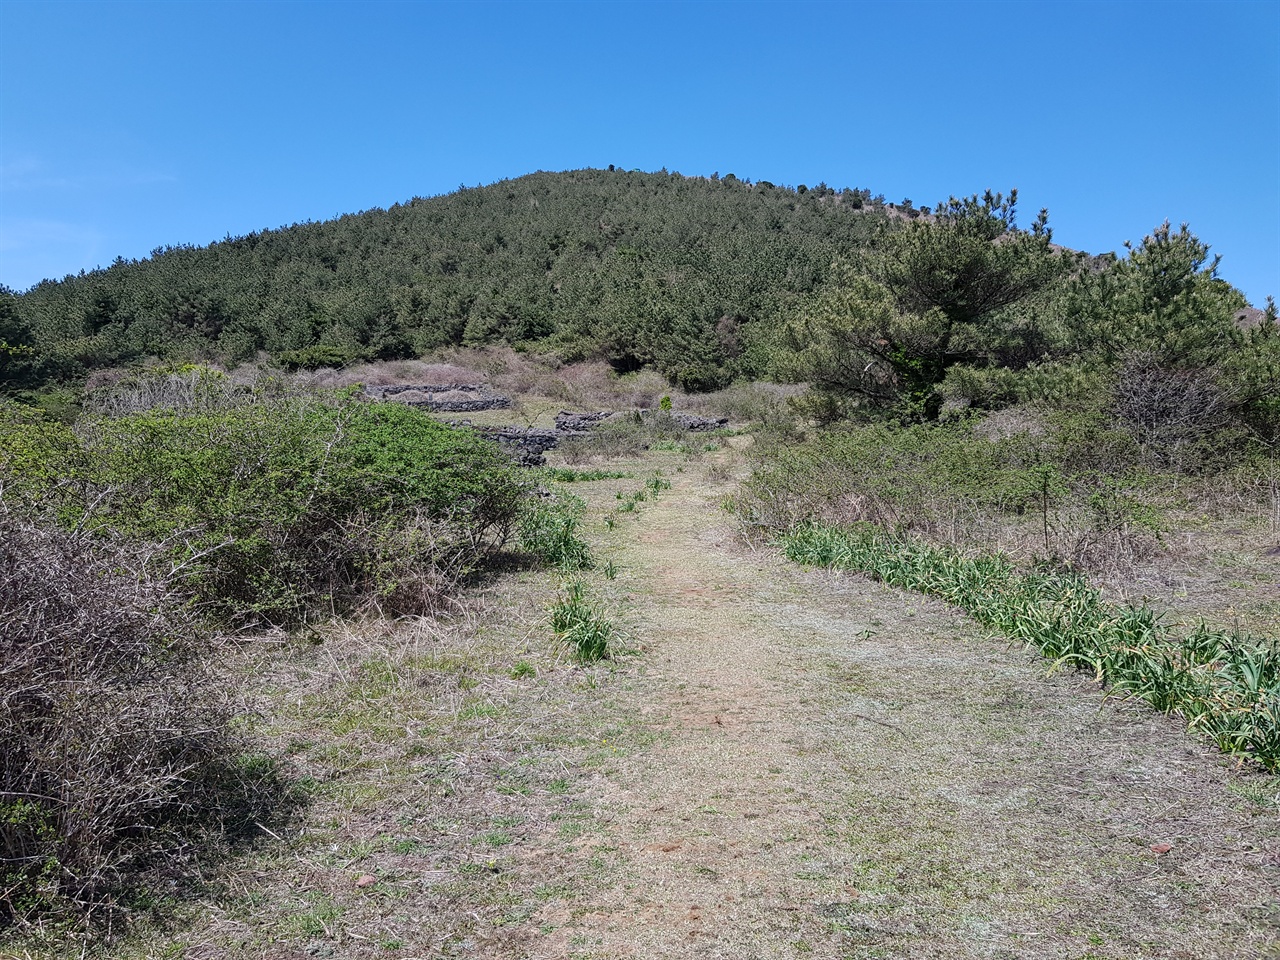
{"x":642,"y":269}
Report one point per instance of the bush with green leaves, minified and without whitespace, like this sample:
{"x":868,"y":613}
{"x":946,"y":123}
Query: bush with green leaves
{"x":276,"y":510}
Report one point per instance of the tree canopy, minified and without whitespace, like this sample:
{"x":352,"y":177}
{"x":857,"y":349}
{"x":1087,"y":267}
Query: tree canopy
{"x":658,"y":269}
{"x":889,"y":326}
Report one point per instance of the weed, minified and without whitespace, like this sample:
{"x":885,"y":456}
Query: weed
{"x":1263,"y":792}
{"x":570,"y":475}
{"x":657,"y":483}
{"x":577,"y":624}
{"x":550,"y":532}
{"x":522,"y":669}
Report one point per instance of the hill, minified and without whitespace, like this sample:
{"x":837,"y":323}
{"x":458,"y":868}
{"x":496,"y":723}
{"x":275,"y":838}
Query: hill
{"x":642,"y":269}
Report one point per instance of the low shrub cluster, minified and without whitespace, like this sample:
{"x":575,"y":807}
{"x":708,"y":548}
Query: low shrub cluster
{"x":1226,"y":686}
{"x":117,"y":752}
{"x":177,"y":506}
{"x":623,"y":437}
{"x":280,"y":508}
{"x":1065,"y":488}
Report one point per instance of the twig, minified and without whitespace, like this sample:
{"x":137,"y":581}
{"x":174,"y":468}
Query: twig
{"x":884,"y":723}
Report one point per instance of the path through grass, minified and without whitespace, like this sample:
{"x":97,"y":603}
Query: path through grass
{"x":791,"y":763}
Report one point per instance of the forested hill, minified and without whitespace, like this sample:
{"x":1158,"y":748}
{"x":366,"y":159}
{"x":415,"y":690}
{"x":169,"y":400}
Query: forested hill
{"x":641,"y":268}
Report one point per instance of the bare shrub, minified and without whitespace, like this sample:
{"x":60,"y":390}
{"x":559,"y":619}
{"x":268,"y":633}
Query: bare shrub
{"x":1168,"y":411}
{"x":117,"y":753}
{"x":194,"y":389}
{"x":415,"y":564}
{"x":629,"y":436}
{"x":763,"y":403}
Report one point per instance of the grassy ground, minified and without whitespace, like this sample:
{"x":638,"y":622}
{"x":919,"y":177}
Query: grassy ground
{"x":777,"y":762}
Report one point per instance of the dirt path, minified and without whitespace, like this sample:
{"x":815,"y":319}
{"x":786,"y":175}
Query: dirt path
{"x":794,"y":764}
{"x":844,"y":770}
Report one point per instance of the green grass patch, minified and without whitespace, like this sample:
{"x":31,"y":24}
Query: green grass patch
{"x":549,"y":531}
{"x":1225,"y":685}
{"x":580,"y":626}
{"x":572,"y":475}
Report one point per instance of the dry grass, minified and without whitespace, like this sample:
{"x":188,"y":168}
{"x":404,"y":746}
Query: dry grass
{"x":434,"y":752}
{"x":797,"y":765}
{"x":537,"y":380}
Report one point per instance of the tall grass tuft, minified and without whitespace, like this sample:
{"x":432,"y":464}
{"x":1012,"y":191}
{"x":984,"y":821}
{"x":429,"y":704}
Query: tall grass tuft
{"x":549,"y":531}
{"x":577,"y":624}
{"x":1226,"y":686}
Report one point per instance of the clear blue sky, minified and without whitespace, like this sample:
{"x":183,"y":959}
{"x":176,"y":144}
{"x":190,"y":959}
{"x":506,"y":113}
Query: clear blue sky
{"x":126,"y":126}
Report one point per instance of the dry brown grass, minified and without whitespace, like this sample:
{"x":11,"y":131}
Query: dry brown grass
{"x":798,"y":764}
{"x":432,"y":751}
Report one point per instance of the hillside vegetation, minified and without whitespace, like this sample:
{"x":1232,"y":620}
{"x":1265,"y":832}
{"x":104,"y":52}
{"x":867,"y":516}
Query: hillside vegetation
{"x":639,"y":268}
{"x":1081,"y":453}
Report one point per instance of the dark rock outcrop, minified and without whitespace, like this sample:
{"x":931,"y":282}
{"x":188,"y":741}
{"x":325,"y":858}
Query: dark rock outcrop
{"x":446,"y":398}
{"x":696,"y":424}
{"x":526,"y":445}
{"x":565,"y":420}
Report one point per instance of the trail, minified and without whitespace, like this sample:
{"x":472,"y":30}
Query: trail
{"x":844,"y":770}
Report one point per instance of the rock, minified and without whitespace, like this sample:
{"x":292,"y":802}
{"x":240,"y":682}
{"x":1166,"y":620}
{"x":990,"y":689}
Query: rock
{"x":700,"y":424}
{"x":565,"y":420}
{"x":459,"y":398}
{"x":527,"y":445}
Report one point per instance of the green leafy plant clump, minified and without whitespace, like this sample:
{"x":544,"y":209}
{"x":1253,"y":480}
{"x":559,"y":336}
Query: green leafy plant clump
{"x":577,"y":624}
{"x":278,"y":508}
{"x":1226,"y":686}
{"x":549,"y":531}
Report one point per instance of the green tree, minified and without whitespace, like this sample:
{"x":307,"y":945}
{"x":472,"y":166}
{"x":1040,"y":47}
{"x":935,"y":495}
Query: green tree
{"x":1164,"y":299}
{"x":969,"y":262}
{"x":21,"y":366}
{"x":883,"y":333}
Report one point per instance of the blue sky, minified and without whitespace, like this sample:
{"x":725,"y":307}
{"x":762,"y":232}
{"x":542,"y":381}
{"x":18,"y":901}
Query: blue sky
{"x":127,"y":126}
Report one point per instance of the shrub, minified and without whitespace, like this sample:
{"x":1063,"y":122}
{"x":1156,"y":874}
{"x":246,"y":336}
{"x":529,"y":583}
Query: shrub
{"x":1169,"y":412}
{"x":1067,"y":489}
{"x":621,"y":437}
{"x":274,"y":509}
{"x":320,"y":355}
{"x":117,"y":761}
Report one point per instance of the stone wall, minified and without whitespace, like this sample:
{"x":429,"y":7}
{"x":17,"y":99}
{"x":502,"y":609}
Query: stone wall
{"x":446,"y":398}
{"x":527,"y":445}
